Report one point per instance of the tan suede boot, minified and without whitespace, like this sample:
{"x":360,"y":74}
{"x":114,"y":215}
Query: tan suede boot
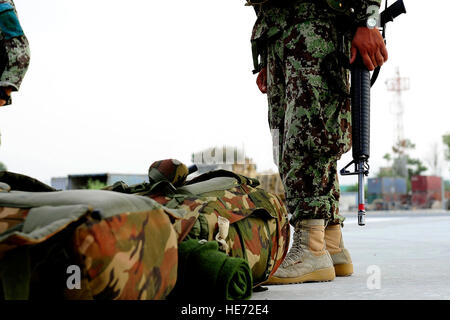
{"x":307,"y":260}
{"x":335,"y":246}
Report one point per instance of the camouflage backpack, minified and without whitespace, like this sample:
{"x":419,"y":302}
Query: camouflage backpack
{"x":220,"y":205}
{"x":122,"y":246}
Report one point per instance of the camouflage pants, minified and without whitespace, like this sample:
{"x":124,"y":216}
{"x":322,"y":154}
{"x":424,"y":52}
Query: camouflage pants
{"x":310,"y":118}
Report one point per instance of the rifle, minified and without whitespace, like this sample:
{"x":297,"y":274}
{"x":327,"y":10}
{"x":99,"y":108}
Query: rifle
{"x":360,"y":95}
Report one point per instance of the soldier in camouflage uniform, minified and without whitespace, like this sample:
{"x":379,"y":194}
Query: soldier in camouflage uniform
{"x":14,"y":52}
{"x":307,"y":86}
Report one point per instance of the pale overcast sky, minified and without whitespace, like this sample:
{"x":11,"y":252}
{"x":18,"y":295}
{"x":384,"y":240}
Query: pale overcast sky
{"x":115,"y":85}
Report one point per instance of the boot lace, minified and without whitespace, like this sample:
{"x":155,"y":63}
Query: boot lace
{"x":296,"y":252}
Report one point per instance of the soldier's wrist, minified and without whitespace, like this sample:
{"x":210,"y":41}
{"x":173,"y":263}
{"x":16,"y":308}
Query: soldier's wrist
{"x":5,"y":93}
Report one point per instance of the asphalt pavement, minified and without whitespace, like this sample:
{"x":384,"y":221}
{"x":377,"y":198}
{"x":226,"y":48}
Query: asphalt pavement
{"x":397,"y":255}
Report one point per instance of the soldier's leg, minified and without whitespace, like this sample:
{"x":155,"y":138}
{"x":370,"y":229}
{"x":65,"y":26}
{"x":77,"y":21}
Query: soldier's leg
{"x":317,"y":122}
{"x":316,"y":133}
{"x":276,"y":90}
{"x":312,"y":191}
{"x":276,"y":94}
{"x":322,"y":177}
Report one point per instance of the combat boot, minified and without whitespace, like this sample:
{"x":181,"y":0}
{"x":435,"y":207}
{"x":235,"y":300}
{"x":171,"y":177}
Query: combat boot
{"x":307,"y":260}
{"x":342,"y":261}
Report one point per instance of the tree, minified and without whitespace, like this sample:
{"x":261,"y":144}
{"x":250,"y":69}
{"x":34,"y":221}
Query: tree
{"x":401,"y":158}
{"x":415,"y":167}
{"x":95,"y":184}
{"x":2,"y":167}
{"x":388,"y":158}
{"x":403,"y":165}
{"x":402,"y":146}
{"x":385,"y":172}
{"x":446,"y":140}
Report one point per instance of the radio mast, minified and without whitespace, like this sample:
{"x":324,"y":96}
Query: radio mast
{"x":397,"y":85}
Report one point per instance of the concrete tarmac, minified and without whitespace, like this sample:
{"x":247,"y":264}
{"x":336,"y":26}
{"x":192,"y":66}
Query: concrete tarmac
{"x":397,"y":255}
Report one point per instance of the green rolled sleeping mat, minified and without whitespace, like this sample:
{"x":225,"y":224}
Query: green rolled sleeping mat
{"x":206,"y":273}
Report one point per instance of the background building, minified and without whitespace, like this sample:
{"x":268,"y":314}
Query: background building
{"x":95,"y":180}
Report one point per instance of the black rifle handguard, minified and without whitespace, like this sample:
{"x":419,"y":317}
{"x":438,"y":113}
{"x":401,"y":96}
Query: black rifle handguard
{"x":360,"y":94}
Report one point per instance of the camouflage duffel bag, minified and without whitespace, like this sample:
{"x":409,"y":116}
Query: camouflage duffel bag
{"x":247,"y":221}
{"x":84,"y":244}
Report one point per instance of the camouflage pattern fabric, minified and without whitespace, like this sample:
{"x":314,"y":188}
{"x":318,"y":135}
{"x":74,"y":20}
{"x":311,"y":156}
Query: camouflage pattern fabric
{"x":309,"y":106}
{"x":133,"y":255}
{"x":33,"y":261}
{"x":273,"y":18}
{"x":11,"y":218}
{"x":311,"y":118}
{"x":171,"y":170}
{"x":128,"y":256}
{"x":11,"y":226}
{"x":276,"y":16}
{"x":259,"y":229}
{"x":16,"y":58}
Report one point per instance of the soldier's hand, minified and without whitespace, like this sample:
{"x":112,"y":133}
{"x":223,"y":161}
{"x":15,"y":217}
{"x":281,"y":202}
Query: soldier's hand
{"x":8,"y":92}
{"x":261,"y":80}
{"x":371,"y":47}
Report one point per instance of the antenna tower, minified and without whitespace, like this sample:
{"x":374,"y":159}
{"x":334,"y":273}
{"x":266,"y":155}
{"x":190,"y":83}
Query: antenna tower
{"x":397,"y":85}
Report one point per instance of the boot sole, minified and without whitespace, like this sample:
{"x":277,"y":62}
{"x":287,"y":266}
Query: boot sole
{"x":343,"y":270}
{"x":322,"y":275}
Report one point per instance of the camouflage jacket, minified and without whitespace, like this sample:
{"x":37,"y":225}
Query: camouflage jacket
{"x":14,"y":48}
{"x":273,"y":18}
